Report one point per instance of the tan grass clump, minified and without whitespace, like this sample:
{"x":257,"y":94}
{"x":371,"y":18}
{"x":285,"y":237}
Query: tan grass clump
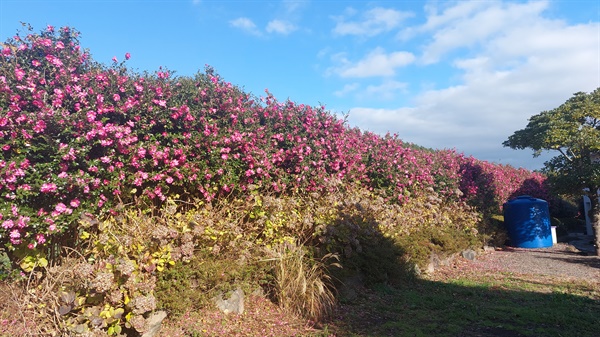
{"x":303,"y":284}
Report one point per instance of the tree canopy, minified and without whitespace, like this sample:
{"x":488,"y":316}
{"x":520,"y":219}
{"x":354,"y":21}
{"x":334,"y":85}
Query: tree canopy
{"x":573,"y":131}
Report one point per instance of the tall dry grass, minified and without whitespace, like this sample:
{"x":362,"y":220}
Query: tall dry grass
{"x":303,"y":284}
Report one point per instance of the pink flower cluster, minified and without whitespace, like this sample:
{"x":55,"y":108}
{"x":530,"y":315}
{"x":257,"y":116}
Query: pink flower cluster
{"x":78,"y":136}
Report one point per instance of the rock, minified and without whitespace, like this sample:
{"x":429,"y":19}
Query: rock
{"x":234,"y":304}
{"x":488,"y":249}
{"x":153,"y":323}
{"x":469,"y":254}
{"x":258,"y":292}
{"x":434,"y":262}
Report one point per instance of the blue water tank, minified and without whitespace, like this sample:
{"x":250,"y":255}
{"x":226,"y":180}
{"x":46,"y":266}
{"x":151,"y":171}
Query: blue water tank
{"x":527,"y":221}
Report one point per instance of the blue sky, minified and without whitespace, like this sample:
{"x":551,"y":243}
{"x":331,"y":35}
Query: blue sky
{"x":461,"y":75}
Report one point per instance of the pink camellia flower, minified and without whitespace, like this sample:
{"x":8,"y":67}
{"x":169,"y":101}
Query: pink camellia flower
{"x":8,"y":224}
{"x":127,"y":56}
{"x":48,"y":188}
{"x":116,"y":97}
{"x":60,"y":207}
{"x":74,"y":203}
{"x":51,"y":224}
{"x":40,"y":238}
{"x":45,"y":42}
{"x":114,"y":59}
{"x":19,"y":73}
{"x":14,"y":234}
{"x":54,"y":60}
{"x":40,"y":126}
{"x":23,"y":220}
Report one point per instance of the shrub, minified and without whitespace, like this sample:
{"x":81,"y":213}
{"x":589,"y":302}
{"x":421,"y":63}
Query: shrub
{"x":188,"y":286}
{"x":118,"y":135}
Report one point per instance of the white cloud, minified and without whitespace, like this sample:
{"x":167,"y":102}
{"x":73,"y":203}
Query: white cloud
{"x":524,"y":63}
{"x":348,"y":88}
{"x":470,"y":24}
{"x":292,"y":6}
{"x":376,"y":63}
{"x":280,"y":27}
{"x":387,"y":90}
{"x":372,"y":22}
{"x":246,"y":25}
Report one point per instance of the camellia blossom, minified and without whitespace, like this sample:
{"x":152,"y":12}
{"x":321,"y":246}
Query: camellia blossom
{"x":40,"y":238}
{"x":127,"y":56}
{"x":74,"y":203}
{"x":15,"y":234}
{"x":19,"y":73}
{"x":48,"y":188}
{"x":40,"y":126}
{"x":60,"y":207}
{"x":8,"y":224}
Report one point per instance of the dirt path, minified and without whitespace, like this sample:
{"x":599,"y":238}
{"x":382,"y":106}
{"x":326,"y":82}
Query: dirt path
{"x":574,"y":259}
{"x":562,"y":260}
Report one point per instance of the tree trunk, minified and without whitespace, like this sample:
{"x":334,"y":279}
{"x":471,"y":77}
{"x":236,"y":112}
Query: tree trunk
{"x":596,"y":229}
{"x":595,"y":212}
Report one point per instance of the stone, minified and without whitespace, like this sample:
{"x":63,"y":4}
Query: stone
{"x":153,"y":323}
{"x":488,"y":249}
{"x":235,"y":303}
{"x":434,"y":262}
{"x":469,"y":254}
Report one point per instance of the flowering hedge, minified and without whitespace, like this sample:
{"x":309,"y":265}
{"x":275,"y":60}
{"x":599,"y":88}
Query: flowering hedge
{"x":81,"y":137}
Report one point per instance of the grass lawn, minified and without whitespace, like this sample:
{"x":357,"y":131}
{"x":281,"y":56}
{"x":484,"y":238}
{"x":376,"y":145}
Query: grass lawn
{"x":500,"y":304}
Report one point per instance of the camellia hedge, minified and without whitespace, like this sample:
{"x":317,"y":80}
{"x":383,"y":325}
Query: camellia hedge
{"x":79,"y":137}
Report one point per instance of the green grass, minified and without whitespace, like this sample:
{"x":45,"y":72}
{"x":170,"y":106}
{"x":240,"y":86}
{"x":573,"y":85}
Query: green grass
{"x":498,"y":305}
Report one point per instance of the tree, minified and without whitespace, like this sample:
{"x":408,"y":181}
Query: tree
{"x":573,"y":131}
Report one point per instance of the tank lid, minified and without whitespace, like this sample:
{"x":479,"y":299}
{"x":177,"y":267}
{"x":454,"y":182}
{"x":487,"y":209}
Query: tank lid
{"x":525,"y":199}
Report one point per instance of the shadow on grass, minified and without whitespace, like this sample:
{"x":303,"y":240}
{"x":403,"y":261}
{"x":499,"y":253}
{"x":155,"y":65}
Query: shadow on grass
{"x":466,"y":308}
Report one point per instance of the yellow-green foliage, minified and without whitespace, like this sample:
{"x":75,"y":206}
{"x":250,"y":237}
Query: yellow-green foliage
{"x":354,"y":219}
{"x":144,"y":258}
{"x":107,"y":283}
{"x":190,"y":286}
{"x":113,"y":287}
